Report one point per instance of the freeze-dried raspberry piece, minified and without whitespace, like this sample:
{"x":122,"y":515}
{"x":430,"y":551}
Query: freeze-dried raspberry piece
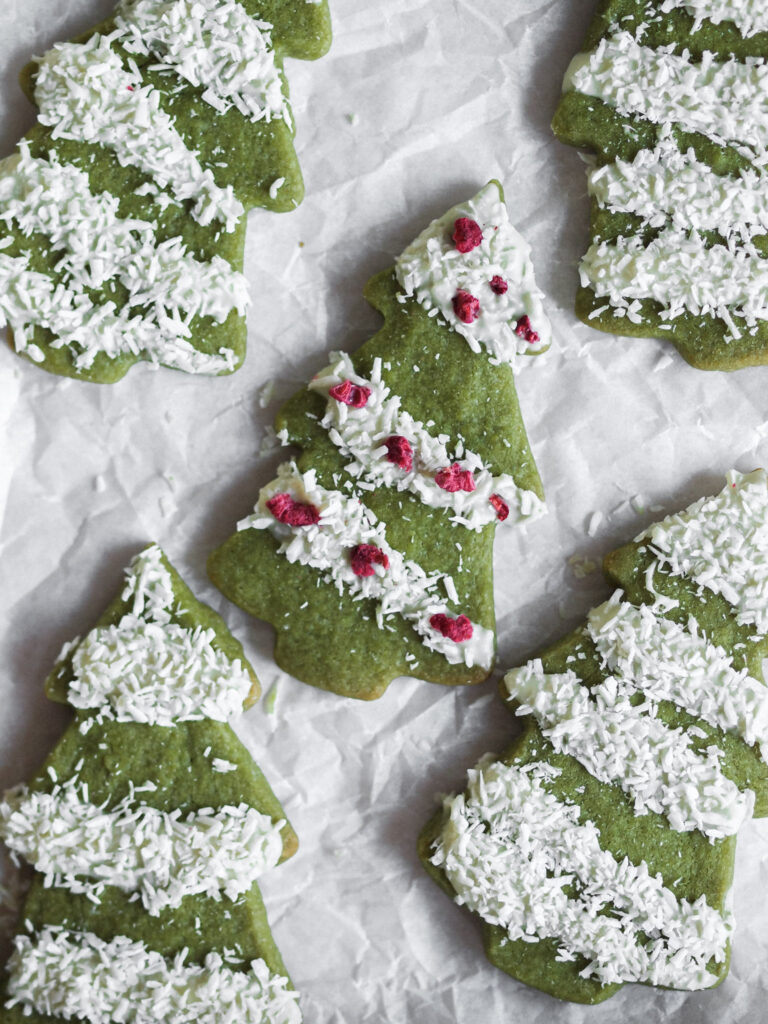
{"x":502,"y":508}
{"x":454,"y":478}
{"x":291,"y":512}
{"x":355,"y":395}
{"x":458,"y":629}
{"x":523,"y":329}
{"x":399,"y":451}
{"x":363,"y":558}
{"x":466,"y":306}
{"x":467,"y":234}
{"x":498,"y":284}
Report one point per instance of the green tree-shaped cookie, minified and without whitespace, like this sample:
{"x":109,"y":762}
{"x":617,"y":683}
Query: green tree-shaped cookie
{"x":371,"y":554}
{"x":599,"y":849}
{"x":124,"y":208}
{"x":670,"y":99}
{"x":147,"y":826}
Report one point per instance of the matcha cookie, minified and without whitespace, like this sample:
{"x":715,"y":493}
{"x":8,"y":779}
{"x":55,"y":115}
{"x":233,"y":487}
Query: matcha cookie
{"x":669,"y":95}
{"x":147,"y":827}
{"x":599,"y":849}
{"x":124,"y":208}
{"x":371,"y":553}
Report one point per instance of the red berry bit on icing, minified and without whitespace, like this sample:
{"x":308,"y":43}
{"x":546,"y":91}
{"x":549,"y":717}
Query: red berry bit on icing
{"x":400,"y":452}
{"x":363,"y":558}
{"x":454,"y":478}
{"x":523,"y":329}
{"x":502,"y":508}
{"x":467,"y":234}
{"x":466,"y":306}
{"x":452,"y":629}
{"x":291,"y":512}
{"x":498,"y":285}
{"x":355,"y":395}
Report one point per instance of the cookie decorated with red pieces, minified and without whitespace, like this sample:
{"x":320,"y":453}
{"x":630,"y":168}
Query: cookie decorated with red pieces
{"x":371,"y":552}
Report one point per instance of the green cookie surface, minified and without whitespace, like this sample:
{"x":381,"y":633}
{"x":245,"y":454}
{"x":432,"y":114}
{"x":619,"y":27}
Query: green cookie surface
{"x":708,"y":339}
{"x":247,"y":156}
{"x":329,"y":639}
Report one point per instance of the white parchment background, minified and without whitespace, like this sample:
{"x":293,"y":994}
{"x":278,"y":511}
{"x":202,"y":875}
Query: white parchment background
{"x":417,"y":105}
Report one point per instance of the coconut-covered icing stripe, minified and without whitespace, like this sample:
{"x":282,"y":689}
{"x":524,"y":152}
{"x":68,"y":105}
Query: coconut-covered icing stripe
{"x":213,"y":44}
{"x":86,"y":94}
{"x":480,"y":283}
{"x":749,"y":16}
{"x":680,"y":272}
{"x":44,"y":196}
{"x":30,"y":299}
{"x":361,"y":433}
{"x":721,"y":543}
{"x":664,"y":661}
{"x":139,"y":671}
{"x":725,"y":100}
{"x":623,"y":743}
{"x":78,"y":975}
{"x":511,"y":849}
{"x":162,"y":856}
{"x":664,"y":184}
{"x":327,"y":531}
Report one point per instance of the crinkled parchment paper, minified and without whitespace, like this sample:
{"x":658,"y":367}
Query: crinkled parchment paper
{"x":417,"y":105}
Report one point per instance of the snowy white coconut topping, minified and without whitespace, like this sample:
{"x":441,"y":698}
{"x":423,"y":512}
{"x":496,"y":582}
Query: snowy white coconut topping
{"x":749,"y":16}
{"x":622,"y":742}
{"x":361,"y":433}
{"x":434,"y":271}
{"x":77,"y":974}
{"x":162,"y":856}
{"x":511,"y":848}
{"x":212,"y":44}
{"x":401,"y":588}
{"x":721,"y":543}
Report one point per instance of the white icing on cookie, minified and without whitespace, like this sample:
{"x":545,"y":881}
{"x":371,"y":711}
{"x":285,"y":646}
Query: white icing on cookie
{"x":725,"y":100}
{"x":78,"y":975}
{"x":163,"y":857}
{"x":721,"y":543}
{"x":360,"y":433}
{"x":664,"y":661}
{"x":433,"y":270}
{"x":681,"y":273}
{"x":30,"y":299}
{"x":749,"y":16}
{"x":662,"y":185}
{"x":621,"y":742}
{"x":86,"y":94}
{"x":147,"y":668}
{"x":510,"y":849}
{"x":403,"y":588}
{"x":212,"y":44}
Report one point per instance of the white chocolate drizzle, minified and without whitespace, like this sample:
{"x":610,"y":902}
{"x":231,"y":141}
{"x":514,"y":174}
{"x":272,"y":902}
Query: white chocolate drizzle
{"x":360,"y":433}
{"x":212,"y":44}
{"x":433,"y":270}
{"x":162,"y":856}
{"x":149,"y":669}
{"x":86,"y":94}
{"x":721,"y":543}
{"x":727,"y":101}
{"x":403,"y":589}
{"x":683,"y":274}
{"x":664,"y":661}
{"x":664,"y":185}
{"x":749,"y":16}
{"x":511,"y":848}
{"x":78,"y":975}
{"x":622,"y":742}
